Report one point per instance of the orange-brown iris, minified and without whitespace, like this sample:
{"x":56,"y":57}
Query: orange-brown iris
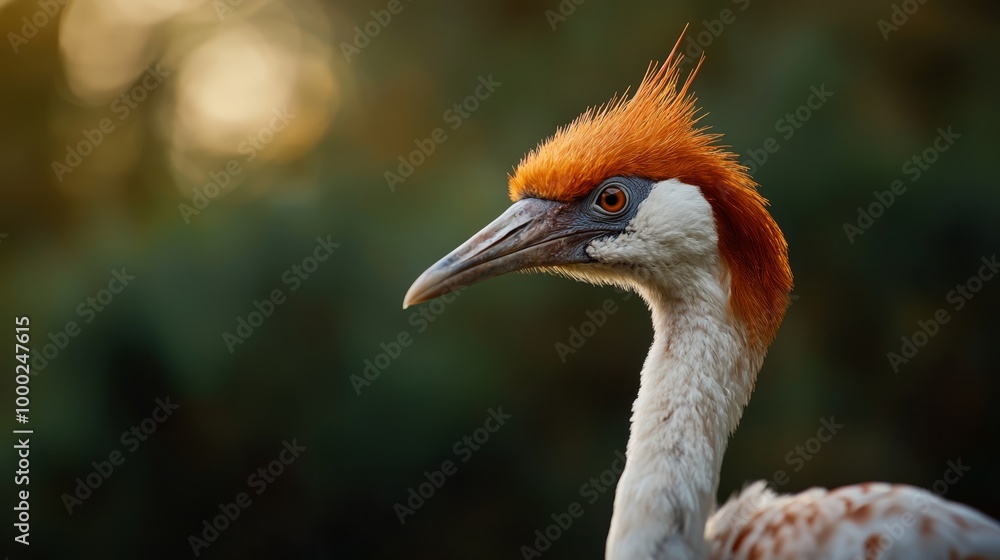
{"x":612,"y":200}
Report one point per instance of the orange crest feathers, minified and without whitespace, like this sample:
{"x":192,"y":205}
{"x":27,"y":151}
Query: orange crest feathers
{"x":654,"y":135}
{"x":650,"y":135}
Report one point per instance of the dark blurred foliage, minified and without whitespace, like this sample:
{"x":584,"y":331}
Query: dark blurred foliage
{"x":494,"y":345}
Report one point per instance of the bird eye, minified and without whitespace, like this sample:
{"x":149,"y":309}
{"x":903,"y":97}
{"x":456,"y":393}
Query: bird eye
{"x":612,"y":199}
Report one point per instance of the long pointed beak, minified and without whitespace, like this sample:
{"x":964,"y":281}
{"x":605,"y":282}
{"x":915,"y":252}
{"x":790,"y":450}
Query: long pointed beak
{"x":531,"y":233}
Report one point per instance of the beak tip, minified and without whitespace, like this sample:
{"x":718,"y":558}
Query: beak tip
{"x":411,"y":297}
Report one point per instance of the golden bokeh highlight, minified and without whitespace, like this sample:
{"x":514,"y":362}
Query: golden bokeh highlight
{"x":252,"y":81}
{"x":103,"y":51}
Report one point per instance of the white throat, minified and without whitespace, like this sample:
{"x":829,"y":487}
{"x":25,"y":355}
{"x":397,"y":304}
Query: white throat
{"x":694,"y":384}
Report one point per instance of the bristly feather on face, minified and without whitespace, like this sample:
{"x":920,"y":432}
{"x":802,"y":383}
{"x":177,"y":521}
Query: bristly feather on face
{"x":654,"y":135}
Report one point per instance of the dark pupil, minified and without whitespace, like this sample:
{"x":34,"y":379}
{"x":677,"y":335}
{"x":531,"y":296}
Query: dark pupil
{"x":611,"y":198}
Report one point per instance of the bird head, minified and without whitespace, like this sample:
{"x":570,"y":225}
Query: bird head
{"x":634,"y":193}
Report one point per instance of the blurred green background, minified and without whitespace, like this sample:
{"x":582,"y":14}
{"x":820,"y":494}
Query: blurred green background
{"x":187,"y":92}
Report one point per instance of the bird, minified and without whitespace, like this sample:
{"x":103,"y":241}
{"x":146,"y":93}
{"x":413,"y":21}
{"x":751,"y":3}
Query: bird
{"x":636,"y":193}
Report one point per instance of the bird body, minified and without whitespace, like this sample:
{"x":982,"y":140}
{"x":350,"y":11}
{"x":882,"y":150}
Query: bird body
{"x":634,"y":194}
{"x":858,"y":522}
